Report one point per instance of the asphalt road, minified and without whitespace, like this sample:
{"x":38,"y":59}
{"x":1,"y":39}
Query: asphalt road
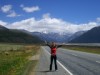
{"x":79,"y":63}
{"x":42,"y":67}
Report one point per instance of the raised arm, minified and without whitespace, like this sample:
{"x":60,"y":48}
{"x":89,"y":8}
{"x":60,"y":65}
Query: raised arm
{"x":59,"y":46}
{"x":47,"y":43}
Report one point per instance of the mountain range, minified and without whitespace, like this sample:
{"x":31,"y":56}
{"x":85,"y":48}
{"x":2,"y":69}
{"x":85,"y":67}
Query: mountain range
{"x":91,"y":36}
{"x":17,"y":36}
{"x":55,"y":37}
{"x":23,"y":36}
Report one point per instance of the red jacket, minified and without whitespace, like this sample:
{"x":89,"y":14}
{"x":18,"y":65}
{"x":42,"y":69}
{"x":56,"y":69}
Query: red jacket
{"x":53,"y":49}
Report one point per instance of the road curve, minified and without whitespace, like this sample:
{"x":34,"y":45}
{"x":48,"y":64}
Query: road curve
{"x":79,"y":63}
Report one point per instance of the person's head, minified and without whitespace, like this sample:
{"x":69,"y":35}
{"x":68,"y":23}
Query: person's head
{"x":53,"y":43}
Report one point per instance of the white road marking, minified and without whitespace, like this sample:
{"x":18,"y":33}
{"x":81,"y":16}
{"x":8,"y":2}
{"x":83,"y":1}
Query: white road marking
{"x":60,"y":63}
{"x":98,"y":61}
{"x":74,"y":54}
{"x":64,"y":68}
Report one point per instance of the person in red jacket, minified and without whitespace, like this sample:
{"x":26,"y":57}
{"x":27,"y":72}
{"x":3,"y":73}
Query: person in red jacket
{"x":53,"y":48}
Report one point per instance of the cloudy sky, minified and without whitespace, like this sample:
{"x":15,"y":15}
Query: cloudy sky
{"x":50,"y":15}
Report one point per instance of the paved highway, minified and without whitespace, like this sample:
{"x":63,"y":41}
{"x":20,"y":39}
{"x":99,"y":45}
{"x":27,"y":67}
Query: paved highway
{"x":79,"y":63}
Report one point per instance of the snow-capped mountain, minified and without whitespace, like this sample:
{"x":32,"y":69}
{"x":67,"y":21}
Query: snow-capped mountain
{"x":56,"y":37}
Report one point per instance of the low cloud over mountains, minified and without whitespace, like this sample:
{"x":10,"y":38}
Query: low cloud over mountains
{"x":50,"y":24}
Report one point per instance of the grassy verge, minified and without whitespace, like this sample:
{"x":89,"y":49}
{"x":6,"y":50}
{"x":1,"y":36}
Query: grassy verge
{"x":90,"y":49}
{"x":14,"y":58}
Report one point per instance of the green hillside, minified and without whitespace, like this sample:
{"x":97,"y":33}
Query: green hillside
{"x":16,"y":36}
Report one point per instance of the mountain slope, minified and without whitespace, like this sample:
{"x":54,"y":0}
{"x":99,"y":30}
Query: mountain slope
{"x":3,"y":28}
{"x":91,"y":36}
{"x":75,"y":35}
{"x":16,"y":36}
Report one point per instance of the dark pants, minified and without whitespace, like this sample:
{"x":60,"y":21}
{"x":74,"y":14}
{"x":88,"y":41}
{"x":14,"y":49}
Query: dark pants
{"x":53,"y":57}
